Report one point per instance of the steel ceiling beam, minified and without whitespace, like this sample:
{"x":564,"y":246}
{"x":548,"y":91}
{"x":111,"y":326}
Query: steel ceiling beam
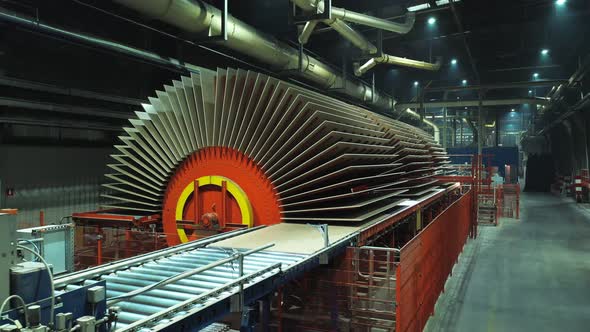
{"x":60,"y":108}
{"x":497,"y":70}
{"x":43,"y":87}
{"x":498,"y":86}
{"x":464,"y":38}
{"x":472,"y":103}
{"x":60,"y":124}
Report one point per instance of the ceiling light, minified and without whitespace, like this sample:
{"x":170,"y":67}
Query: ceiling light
{"x":530,"y":92}
{"x":415,"y":83}
{"x":454,"y":61}
{"x":544,"y":51}
{"x":512,"y":110}
{"x":560,"y":2}
{"x":536,"y":75}
{"x":418,"y":7}
{"x":464,"y":82}
{"x":431,"y":21}
{"x":444,"y":2}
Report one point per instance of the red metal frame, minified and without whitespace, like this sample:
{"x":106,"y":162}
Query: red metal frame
{"x":98,"y":216}
{"x":509,"y":200}
{"x":427,"y":261}
{"x":382,"y":226}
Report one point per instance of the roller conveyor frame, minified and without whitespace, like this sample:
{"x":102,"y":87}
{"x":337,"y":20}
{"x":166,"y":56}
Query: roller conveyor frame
{"x":199,"y":311}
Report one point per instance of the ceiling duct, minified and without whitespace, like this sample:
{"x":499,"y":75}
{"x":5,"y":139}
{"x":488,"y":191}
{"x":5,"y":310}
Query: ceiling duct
{"x":358,"y":18}
{"x":199,"y":17}
{"x":339,"y":15}
{"x":395,"y":60}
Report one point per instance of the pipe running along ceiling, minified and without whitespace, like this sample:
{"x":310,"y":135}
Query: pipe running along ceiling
{"x":201,"y":18}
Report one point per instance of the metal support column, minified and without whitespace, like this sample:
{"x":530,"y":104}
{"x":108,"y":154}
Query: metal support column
{"x":445,"y":134}
{"x":497,"y":129}
{"x":454,"y":137}
{"x":461,"y":134}
{"x":248,"y":322}
{"x":265,"y":314}
{"x":480,"y":134}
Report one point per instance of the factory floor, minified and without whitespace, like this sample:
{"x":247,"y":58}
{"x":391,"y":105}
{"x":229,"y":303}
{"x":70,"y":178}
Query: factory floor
{"x":531,"y":274}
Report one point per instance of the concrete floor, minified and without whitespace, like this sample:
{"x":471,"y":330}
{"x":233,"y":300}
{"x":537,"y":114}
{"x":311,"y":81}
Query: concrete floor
{"x":531,"y":274}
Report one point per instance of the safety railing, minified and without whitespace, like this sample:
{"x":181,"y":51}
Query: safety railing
{"x":95,"y":246}
{"x":426,"y":262}
{"x":355,"y":293}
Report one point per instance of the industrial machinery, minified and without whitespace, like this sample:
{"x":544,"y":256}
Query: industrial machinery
{"x":256,"y":181}
{"x":226,"y":149}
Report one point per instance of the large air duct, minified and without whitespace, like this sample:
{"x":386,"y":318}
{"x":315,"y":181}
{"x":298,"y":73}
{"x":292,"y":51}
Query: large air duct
{"x":435,"y":129}
{"x":339,"y":15}
{"x":358,"y":18}
{"x":395,"y":60}
{"x":201,"y":18}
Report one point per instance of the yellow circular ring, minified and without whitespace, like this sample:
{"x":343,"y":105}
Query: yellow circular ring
{"x":216,"y":180}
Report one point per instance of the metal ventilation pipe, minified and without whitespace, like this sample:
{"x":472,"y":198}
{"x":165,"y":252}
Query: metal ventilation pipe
{"x":198,"y":17}
{"x":435,"y":129}
{"x":339,"y":15}
{"x":345,"y":30}
{"x":362,"y":19}
{"x":395,"y":60}
{"x":355,"y":37}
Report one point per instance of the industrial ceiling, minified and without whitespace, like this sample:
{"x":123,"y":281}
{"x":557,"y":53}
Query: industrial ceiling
{"x":59,"y":81}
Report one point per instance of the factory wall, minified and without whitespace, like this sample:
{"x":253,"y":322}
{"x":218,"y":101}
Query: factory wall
{"x":56,"y":180}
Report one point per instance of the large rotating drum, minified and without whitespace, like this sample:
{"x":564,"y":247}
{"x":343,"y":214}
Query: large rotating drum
{"x":234,"y":147}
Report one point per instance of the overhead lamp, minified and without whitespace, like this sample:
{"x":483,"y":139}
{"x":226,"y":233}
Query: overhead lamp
{"x":512,"y":110}
{"x":416,"y":83}
{"x":536,"y":75}
{"x":464,"y":82}
{"x":560,"y":2}
{"x":530,"y":92}
{"x":431,"y":21}
{"x":544,"y":51}
{"x":419,"y":7}
{"x":454,"y":61}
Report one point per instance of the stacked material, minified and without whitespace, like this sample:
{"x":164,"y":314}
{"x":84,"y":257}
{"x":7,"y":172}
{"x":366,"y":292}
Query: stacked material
{"x":328,"y":161}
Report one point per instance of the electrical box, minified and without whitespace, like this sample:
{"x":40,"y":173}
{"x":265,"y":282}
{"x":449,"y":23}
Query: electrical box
{"x":54,"y":242}
{"x":30,"y":281}
{"x":96,"y":294}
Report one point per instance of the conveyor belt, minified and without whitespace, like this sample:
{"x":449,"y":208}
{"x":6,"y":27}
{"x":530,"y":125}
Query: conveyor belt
{"x":296,"y":248}
{"x":156,"y":307}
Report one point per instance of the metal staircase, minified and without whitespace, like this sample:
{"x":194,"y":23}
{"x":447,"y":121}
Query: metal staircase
{"x":487,"y":207}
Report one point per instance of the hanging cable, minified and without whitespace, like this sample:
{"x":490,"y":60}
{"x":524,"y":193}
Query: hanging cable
{"x":24,"y":305}
{"x":34,"y":246}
